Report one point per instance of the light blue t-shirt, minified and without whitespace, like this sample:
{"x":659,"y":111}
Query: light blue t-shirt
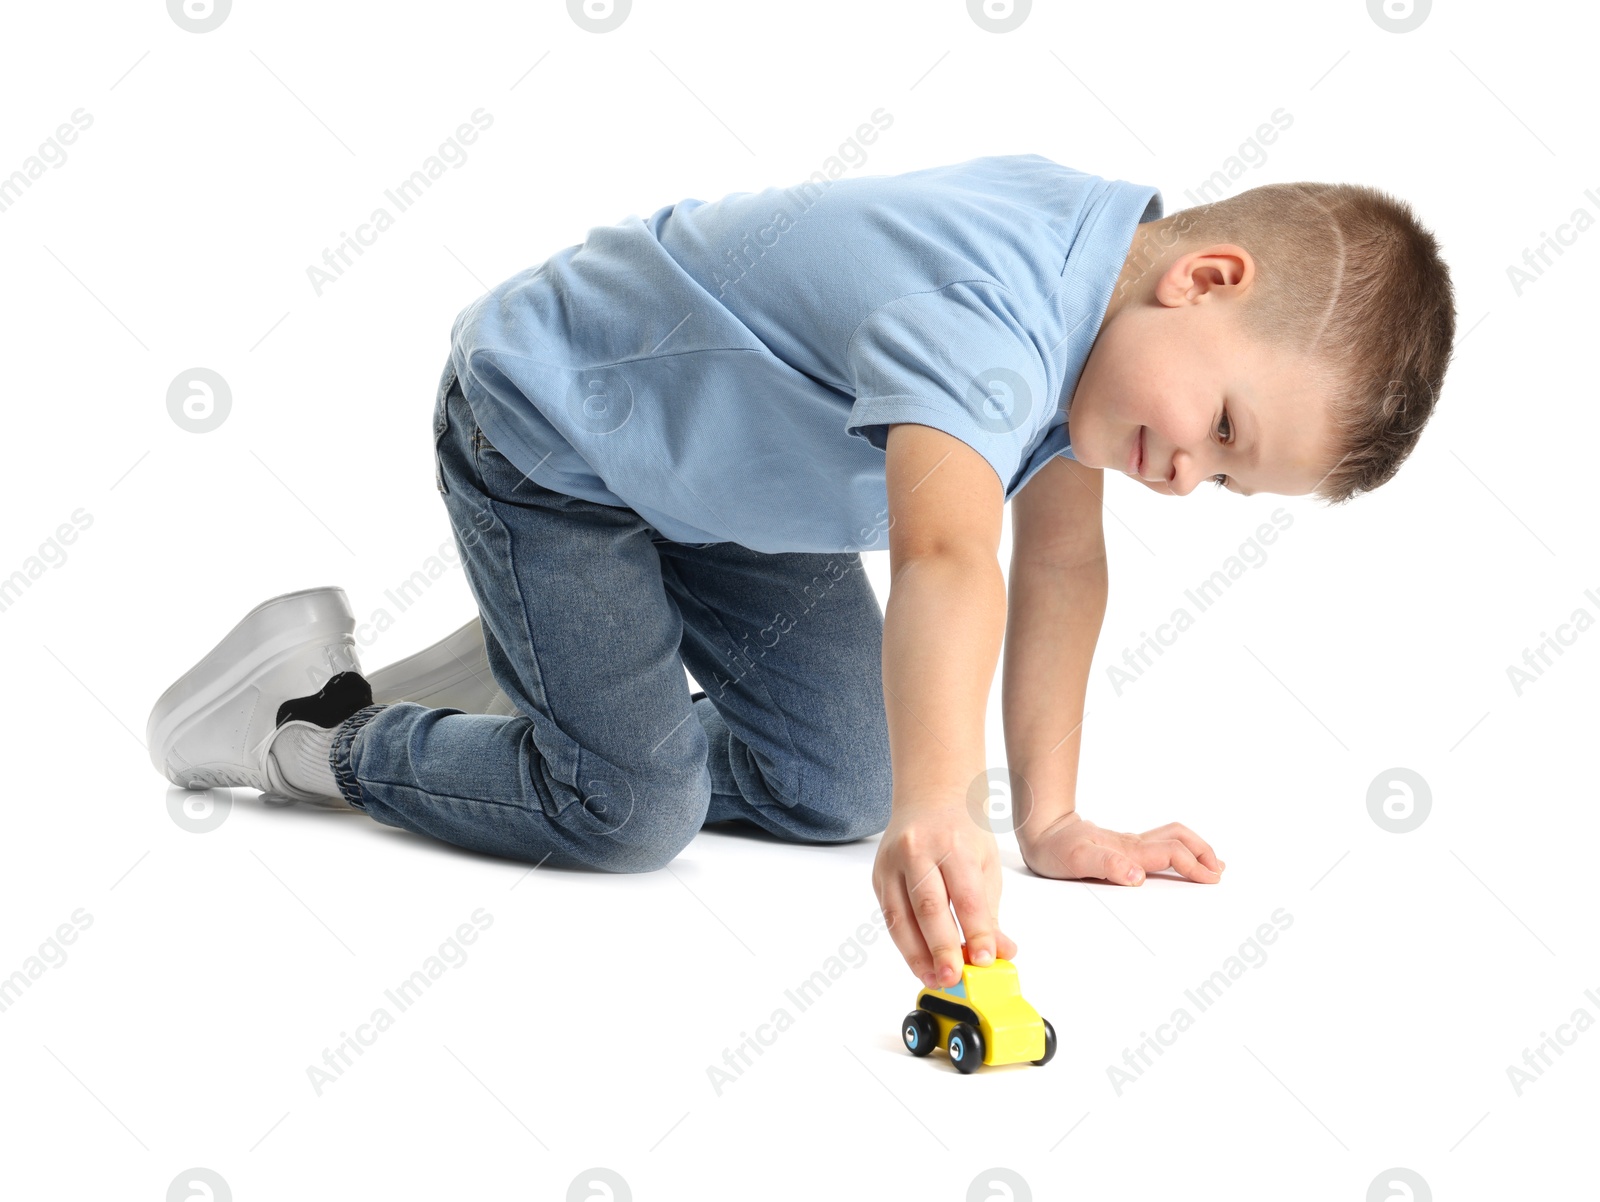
{"x":729,"y":370}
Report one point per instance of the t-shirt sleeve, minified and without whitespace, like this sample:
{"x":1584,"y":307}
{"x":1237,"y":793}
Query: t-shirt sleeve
{"x":955,"y":359}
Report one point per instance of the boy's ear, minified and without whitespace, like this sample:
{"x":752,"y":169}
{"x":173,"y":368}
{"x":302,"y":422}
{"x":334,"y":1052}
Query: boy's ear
{"x":943,"y":495}
{"x":1225,"y":266}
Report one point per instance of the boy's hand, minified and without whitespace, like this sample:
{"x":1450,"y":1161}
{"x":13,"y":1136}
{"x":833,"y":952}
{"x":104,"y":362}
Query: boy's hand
{"x":928,"y":857}
{"x":1070,"y":848}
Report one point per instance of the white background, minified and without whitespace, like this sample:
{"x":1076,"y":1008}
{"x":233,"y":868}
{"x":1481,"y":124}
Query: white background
{"x":579,"y":1032}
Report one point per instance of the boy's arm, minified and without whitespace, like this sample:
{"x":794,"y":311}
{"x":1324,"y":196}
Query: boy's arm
{"x":943,"y":625}
{"x":1057,"y":602}
{"x":1056,"y":605}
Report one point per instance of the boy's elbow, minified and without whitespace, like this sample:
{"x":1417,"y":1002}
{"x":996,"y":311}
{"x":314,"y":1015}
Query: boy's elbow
{"x":964,"y":561}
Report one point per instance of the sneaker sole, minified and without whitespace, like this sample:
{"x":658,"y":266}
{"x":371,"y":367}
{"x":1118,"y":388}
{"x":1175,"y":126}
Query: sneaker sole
{"x":272,"y":632}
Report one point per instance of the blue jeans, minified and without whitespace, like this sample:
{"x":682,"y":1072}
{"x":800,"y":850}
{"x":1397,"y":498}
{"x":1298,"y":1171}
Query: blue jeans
{"x":589,"y":618}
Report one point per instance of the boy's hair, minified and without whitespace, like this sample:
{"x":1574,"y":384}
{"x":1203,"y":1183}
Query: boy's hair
{"x":1347,"y":275}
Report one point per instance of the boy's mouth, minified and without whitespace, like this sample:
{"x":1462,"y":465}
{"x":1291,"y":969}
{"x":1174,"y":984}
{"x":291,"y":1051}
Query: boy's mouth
{"x":1136,"y":455}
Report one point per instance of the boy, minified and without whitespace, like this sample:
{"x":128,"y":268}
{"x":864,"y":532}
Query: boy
{"x":667,"y":447}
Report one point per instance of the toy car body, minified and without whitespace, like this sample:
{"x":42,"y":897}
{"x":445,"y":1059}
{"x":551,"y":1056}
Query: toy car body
{"x":981,"y":1019}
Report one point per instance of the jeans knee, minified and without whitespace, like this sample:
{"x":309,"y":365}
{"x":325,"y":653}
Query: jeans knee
{"x":665,"y":818}
{"x":870,"y":813}
{"x":852,"y":806}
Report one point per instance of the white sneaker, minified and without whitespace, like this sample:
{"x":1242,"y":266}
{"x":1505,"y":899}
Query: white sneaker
{"x":290,"y":658}
{"x":452,"y":674}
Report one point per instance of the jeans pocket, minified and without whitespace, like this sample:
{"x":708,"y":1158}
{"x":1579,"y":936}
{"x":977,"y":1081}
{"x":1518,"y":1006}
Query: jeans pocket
{"x":499,"y":477}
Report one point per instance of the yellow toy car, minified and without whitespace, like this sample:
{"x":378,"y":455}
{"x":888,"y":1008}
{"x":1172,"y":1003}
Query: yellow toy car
{"x":981,"y":1019}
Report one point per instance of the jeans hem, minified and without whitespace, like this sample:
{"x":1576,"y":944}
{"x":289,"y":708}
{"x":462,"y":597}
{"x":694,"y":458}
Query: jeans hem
{"x":339,"y":754}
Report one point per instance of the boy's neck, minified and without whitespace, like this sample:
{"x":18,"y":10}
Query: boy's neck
{"x":1135,"y":279}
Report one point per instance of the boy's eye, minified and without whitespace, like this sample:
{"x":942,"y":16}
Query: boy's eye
{"x":1221,"y":481}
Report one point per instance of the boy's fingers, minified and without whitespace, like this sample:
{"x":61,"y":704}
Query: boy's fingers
{"x":1107,"y":863}
{"x":930,"y":905}
{"x":1004,"y":946}
{"x":903,"y":928}
{"x":970,"y":898}
{"x":1171,"y":853}
{"x":1197,"y":845}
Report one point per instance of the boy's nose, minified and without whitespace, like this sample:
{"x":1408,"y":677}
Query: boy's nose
{"x":1173,"y":486}
{"x":1183,"y":474}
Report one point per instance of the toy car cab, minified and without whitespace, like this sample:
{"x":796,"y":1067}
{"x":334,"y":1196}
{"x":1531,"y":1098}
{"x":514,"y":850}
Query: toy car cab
{"x":981,"y":1019}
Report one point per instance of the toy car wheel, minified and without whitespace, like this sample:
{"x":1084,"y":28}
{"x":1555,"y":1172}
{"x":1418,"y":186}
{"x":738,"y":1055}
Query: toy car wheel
{"x":1049,"y":1042}
{"x":965,"y":1047}
{"x":920,"y":1032}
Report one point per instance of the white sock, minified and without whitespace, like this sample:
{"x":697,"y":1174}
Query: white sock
{"x":301,"y":750}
